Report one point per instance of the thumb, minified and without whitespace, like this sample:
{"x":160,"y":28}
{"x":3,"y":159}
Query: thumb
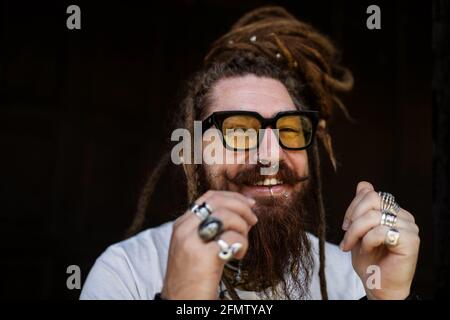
{"x":364,"y":185}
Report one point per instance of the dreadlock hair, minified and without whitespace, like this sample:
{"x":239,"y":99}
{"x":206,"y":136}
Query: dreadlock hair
{"x":266,"y":42}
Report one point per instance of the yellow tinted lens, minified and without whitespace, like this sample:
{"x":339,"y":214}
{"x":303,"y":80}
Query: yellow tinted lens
{"x":295,"y":131}
{"x":241,"y":131}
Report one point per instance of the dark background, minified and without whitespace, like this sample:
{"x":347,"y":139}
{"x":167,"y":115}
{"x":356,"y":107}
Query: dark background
{"x":84,"y":115}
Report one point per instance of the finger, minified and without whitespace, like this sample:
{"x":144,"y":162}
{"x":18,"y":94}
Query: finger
{"x":404,"y":214}
{"x":216,"y":199}
{"x":373,"y":201}
{"x":230,"y":237}
{"x":232,"y":194}
{"x":347,"y":217}
{"x":369,"y":201}
{"x":232,"y":221}
{"x":186,"y":221}
{"x":232,"y":201}
{"x":366,"y":200}
{"x":365,"y":223}
{"x":364,"y":185}
{"x":408,"y":242}
{"x":361,"y":189}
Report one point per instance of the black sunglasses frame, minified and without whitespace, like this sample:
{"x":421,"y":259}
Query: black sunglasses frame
{"x":217,"y":118}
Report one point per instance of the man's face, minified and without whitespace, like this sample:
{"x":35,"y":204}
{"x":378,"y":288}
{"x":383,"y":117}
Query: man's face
{"x":267,"y":97}
{"x":281,"y":208}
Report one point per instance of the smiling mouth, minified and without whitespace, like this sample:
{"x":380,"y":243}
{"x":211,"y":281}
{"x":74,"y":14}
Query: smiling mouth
{"x":268,"y":182}
{"x":265,"y":187}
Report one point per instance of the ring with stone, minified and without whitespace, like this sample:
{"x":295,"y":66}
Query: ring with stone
{"x":210,"y":228}
{"x":392,"y":237}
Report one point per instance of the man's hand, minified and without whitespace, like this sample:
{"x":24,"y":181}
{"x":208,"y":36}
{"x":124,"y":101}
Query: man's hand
{"x":194,"y":269}
{"x":365,"y":238}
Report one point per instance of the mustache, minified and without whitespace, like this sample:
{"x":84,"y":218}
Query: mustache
{"x":252,"y":175}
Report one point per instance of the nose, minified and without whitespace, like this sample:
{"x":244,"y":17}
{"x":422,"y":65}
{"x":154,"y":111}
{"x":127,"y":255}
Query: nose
{"x":269,"y":150}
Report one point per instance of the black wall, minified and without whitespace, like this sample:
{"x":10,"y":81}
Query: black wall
{"x":84,"y":115}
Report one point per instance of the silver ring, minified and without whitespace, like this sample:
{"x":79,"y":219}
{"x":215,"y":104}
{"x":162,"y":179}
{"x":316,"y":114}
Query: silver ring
{"x":388,"y":203}
{"x":207,"y":207}
{"x":387,"y":200}
{"x":392,"y":237}
{"x":210,"y":228}
{"x":388,"y":219}
{"x":202,"y":211}
{"x":228,"y":252}
{"x":395,"y":209}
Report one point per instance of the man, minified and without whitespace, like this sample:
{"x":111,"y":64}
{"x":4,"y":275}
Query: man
{"x":256,"y":227}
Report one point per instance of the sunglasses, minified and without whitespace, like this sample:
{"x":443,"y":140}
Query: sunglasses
{"x":240,"y":129}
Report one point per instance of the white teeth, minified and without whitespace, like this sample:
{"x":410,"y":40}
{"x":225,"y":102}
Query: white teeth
{"x":269,"y":182}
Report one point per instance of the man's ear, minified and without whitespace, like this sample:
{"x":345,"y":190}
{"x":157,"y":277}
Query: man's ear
{"x":322,"y":124}
{"x":326,"y":140}
{"x":181,"y":155}
{"x":184,"y":166}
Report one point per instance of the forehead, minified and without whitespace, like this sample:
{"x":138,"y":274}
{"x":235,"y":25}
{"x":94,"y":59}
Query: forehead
{"x":266,"y":96}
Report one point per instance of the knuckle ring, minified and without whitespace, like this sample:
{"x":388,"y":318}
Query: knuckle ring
{"x":395,"y":209}
{"x":392,"y":237}
{"x":388,"y":203}
{"x":228,"y":252}
{"x":210,"y":228}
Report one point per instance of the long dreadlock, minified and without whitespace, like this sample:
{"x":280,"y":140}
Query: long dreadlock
{"x":267,"y":42}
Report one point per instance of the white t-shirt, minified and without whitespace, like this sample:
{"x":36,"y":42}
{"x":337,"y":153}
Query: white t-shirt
{"x":135,"y":269}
